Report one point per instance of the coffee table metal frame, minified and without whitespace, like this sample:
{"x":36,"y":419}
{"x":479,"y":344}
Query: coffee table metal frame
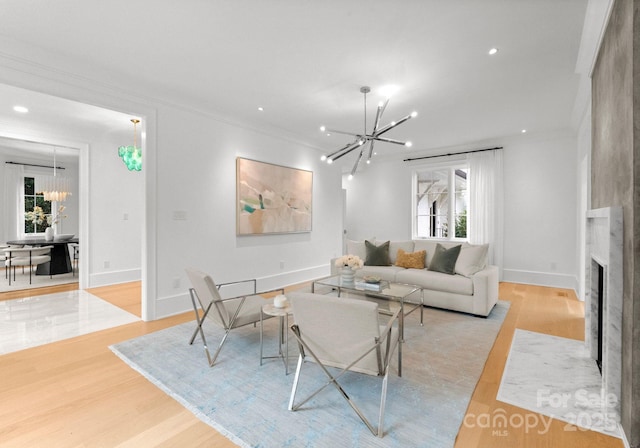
{"x":391,"y":291}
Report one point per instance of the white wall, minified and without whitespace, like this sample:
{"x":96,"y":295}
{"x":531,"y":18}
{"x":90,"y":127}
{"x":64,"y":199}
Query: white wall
{"x":197,"y":174}
{"x":539,"y":216}
{"x":116,"y":205}
{"x":540,"y":208}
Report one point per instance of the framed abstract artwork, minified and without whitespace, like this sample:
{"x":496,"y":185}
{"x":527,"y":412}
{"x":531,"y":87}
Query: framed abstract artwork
{"x":272,"y":198}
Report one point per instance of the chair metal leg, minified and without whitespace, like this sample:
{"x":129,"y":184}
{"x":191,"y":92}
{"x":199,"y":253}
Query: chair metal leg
{"x":294,"y":388}
{"x":200,"y":321}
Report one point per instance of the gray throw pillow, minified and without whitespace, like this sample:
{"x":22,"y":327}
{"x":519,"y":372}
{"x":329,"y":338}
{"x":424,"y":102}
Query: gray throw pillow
{"x":444,"y":260}
{"x":377,"y":255}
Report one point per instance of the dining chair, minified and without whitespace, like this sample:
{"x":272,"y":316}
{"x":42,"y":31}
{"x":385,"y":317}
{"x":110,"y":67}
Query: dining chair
{"x":3,"y":257}
{"x":227,"y":313}
{"x":76,"y":257}
{"x":343,"y":335}
{"x":26,"y":256}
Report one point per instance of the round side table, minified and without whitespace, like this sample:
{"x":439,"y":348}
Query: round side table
{"x":283,"y":337}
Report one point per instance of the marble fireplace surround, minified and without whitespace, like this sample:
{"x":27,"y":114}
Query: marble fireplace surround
{"x":604,"y":248}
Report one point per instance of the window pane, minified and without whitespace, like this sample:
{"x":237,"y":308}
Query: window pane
{"x":29,"y":202}
{"x":29,"y":185}
{"x":432,"y":206}
{"x":461,"y":176}
{"x":32,"y":200}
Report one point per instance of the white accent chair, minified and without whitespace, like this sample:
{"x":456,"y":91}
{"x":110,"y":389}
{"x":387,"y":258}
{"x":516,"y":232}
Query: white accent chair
{"x":345,"y":334}
{"x":26,"y":256}
{"x":228,"y":313}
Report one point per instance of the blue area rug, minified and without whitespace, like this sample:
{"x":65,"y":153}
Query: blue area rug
{"x":246,"y":402}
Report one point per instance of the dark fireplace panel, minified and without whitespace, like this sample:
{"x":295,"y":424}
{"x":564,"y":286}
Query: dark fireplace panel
{"x":600,"y":290}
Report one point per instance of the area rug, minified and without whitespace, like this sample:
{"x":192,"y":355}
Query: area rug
{"x":246,"y":402}
{"x":557,"y":377}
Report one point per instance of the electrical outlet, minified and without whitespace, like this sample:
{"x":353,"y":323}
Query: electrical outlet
{"x":179,"y":215}
{"x":125,"y":217}
{"x":107,"y":264}
{"x":282,"y":265}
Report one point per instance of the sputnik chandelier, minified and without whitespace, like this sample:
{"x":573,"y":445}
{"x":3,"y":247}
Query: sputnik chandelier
{"x":371,"y":138}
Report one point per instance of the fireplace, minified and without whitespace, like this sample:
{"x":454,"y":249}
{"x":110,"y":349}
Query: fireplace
{"x":603,"y":296}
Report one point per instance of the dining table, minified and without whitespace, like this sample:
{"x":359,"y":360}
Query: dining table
{"x":60,"y":260}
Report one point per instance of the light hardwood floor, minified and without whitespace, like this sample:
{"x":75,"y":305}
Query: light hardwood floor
{"x":77,"y":393}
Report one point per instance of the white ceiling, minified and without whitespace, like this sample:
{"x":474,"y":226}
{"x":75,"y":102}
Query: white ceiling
{"x":304,"y":61}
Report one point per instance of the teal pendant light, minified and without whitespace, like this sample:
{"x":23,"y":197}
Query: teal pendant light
{"x":132,"y":155}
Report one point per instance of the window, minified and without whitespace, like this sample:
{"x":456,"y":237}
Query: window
{"x":440,"y":202}
{"x":35,"y":219}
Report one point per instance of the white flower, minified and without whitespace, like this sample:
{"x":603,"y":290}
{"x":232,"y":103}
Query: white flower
{"x":351,"y":261}
{"x":59,"y":217}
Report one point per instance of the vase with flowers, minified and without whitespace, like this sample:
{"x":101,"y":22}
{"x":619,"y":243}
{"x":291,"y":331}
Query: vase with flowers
{"x":53,"y":221}
{"x":348,"y":264}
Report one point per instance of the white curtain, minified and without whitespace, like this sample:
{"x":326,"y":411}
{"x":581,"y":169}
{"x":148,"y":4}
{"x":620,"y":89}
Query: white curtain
{"x":486,"y":203}
{"x":14,"y":201}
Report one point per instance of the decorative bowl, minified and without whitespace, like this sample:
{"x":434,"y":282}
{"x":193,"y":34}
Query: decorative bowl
{"x":280,"y":301}
{"x":371,"y":279}
{"x":63,"y":237}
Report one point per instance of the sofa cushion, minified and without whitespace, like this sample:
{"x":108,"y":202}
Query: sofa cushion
{"x":444,"y":260}
{"x":472,"y":258}
{"x":358,"y":248}
{"x":411,"y":259}
{"x":377,"y":255}
{"x":394,"y":246}
{"x":436,"y":281}
{"x":384,"y":272}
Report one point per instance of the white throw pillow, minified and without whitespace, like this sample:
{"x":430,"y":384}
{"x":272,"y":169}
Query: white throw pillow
{"x":358,"y":248}
{"x":472,"y":258}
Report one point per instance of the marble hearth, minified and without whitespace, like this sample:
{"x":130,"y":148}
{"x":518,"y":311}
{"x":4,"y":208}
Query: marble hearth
{"x":604,"y":257}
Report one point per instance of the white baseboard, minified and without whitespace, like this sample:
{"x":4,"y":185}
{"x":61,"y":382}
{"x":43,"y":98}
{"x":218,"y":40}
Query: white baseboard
{"x":564,"y":281}
{"x":114,"y":277}
{"x":180,"y":303}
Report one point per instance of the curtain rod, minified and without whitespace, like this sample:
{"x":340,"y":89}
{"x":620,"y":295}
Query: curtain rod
{"x":33,"y":164}
{"x":452,"y":154}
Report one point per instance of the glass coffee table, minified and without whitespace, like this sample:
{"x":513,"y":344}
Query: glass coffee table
{"x":400,"y":293}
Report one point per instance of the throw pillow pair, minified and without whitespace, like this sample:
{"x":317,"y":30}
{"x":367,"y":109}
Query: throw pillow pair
{"x":379,"y":256}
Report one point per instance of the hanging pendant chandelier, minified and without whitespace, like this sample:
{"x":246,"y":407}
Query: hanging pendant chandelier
{"x":54,"y":188}
{"x":364,"y":137}
{"x":132,"y":155}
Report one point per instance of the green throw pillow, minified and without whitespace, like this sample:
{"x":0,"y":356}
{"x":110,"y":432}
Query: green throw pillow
{"x":377,"y":255}
{"x":444,"y":260}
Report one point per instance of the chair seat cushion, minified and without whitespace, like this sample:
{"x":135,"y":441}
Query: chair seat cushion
{"x":250,"y":312}
{"x":24,"y":261}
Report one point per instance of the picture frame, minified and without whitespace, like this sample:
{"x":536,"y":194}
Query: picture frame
{"x":272,"y":199}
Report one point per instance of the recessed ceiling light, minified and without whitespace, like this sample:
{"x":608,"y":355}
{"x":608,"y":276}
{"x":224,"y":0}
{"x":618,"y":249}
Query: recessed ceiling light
{"x":524,"y":131}
{"x":260,"y":108}
{"x":493,"y":51}
{"x":21,"y":109}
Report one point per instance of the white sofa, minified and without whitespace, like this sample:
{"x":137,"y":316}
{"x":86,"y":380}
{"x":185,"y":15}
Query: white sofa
{"x":474,"y":293}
